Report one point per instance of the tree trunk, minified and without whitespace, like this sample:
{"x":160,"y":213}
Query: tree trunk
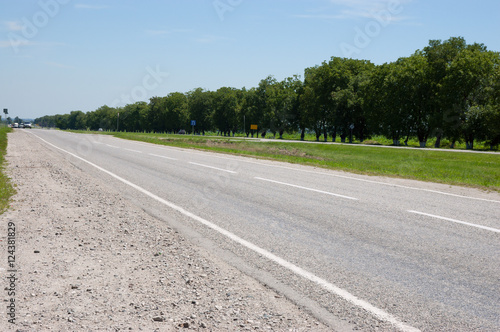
{"x":438,"y":141}
{"x":281,"y":133}
{"x":395,"y":142}
{"x":302,"y":134}
{"x":469,"y":145}
{"x":422,"y":144}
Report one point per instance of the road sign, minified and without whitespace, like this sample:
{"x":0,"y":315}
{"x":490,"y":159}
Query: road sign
{"x":193,"y":122}
{"x":351,"y":126}
{"x":253,"y":127}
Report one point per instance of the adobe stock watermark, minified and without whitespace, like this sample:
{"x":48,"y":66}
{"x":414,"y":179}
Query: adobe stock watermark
{"x":29,"y":28}
{"x":151,"y":81}
{"x":363,"y":37}
{"x":223,"y":6}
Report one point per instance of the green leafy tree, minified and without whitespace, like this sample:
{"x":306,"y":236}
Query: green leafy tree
{"x":281,"y":101}
{"x":133,"y":117}
{"x":76,"y":120}
{"x":200,"y":108}
{"x":264,"y":108}
{"x":102,"y":118}
{"x":467,"y":89}
{"x":251,"y":110}
{"x":317,"y":99}
{"x":176,"y":111}
{"x":224,"y":110}
{"x":156,"y":115}
{"x":347,"y":79}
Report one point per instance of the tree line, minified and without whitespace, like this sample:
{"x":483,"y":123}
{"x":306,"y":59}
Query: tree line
{"x":448,"y":90}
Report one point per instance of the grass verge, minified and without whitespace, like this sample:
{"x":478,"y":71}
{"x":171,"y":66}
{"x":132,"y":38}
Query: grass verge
{"x":455,"y":168}
{"x":6,"y":189}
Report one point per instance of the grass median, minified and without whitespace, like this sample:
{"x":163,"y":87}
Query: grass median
{"x":6,"y":189}
{"x":478,"y":170}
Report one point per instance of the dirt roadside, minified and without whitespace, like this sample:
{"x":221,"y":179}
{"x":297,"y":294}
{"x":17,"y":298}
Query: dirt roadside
{"x":87,"y":259}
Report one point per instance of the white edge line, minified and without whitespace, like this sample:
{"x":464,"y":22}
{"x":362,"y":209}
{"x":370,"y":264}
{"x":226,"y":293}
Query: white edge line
{"x":457,"y":221}
{"x":112,"y":146}
{"x":157,"y":155}
{"x":379,"y":313}
{"x":219,"y":169}
{"x":305,"y":188}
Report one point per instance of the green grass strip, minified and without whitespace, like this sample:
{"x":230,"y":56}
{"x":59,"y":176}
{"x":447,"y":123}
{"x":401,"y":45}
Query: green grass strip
{"x":6,"y":189}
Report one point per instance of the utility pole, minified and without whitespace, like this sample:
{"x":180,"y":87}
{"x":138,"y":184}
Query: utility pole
{"x":118,"y":122}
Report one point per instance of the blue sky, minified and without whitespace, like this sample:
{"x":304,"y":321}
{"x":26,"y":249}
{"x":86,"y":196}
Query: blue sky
{"x":62,"y":55}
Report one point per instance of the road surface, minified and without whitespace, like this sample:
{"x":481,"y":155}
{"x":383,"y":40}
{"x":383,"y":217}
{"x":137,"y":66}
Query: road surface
{"x":375,"y":252}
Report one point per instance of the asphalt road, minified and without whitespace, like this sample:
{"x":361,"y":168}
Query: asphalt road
{"x":367,"y":252}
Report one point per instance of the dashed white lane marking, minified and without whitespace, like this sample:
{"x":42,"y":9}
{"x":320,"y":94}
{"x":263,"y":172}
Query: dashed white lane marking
{"x":214,"y":154}
{"x":377,"y":312}
{"x":112,"y":146}
{"x":219,"y":169}
{"x":305,"y":188}
{"x":491,"y":229}
{"x":164,"y":157}
{"x":131,"y":150}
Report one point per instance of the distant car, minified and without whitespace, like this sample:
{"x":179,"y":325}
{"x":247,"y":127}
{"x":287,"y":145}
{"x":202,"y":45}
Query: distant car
{"x":182,"y":132}
{"x":21,"y":125}
{"x":28,"y":125}
{"x":15,"y":125}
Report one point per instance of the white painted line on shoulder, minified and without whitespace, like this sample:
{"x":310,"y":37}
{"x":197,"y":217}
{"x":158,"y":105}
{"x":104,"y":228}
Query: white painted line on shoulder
{"x":491,"y":229}
{"x":112,"y":146}
{"x":157,"y":155}
{"x":377,"y":312}
{"x":219,"y":169}
{"x":305,"y":188}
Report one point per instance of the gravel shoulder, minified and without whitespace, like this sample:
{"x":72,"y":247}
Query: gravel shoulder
{"x":88,"y":259}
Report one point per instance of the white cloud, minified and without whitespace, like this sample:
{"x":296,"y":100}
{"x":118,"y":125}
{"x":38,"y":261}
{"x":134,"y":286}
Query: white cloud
{"x":370,"y":8}
{"x":13,"y":25}
{"x":209,"y":39}
{"x":166,"y":32}
{"x":14,"y":43}
{"x":59,"y":65}
{"x":349,"y":9}
{"x":158,"y":32}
